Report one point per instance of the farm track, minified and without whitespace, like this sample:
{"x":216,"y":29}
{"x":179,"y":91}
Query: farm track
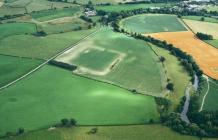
{"x":205,"y":95}
{"x":43,"y":64}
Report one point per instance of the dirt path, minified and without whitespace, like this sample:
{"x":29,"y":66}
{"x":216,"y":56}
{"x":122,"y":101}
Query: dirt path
{"x":205,"y":95}
{"x":43,"y":64}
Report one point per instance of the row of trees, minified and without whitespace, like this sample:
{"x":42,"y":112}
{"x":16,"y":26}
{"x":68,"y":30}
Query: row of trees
{"x":203,"y":36}
{"x":63,"y":65}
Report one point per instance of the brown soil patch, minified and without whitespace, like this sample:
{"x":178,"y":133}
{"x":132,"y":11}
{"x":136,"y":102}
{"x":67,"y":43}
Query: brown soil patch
{"x":205,"y":55}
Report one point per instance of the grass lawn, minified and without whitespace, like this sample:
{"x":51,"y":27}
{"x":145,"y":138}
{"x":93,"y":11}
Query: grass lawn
{"x":176,"y":73}
{"x":12,"y":68}
{"x":198,"y":18}
{"x":151,"y":23}
{"x":5,"y":10}
{"x":135,"y":132}
{"x":40,"y":47}
{"x":95,"y":59}
{"x":213,"y":42}
{"x":134,"y":69}
{"x":210,"y":101}
{"x":9,"y":29}
{"x":126,"y":7}
{"x":51,"y":94}
{"x":53,"y":14}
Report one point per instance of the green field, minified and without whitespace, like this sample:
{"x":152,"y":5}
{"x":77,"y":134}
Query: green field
{"x":210,"y":101}
{"x":132,"y":72}
{"x":53,"y":14}
{"x":9,"y":29}
{"x":95,"y":59}
{"x":126,"y":7}
{"x":198,"y":18}
{"x":135,"y":132}
{"x":97,"y":1}
{"x":40,"y":47}
{"x":50,"y":94}
{"x":5,"y":10}
{"x":12,"y":68}
{"x":213,"y":43}
{"x":176,"y":73}
{"x":151,"y":23}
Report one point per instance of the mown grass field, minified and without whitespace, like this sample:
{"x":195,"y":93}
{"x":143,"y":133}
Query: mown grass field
{"x":213,"y":43}
{"x":56,"y":13}
{"x":9,"y":29}
{"x":210,"y":101}
{"x":135,"y":132}
{"x":95,"y":59}
{"x":151,"y":23}
{"x":12,"y":68}
{"x":203,"y":27}
{"x":198,"y":18}
{"x":51,"y":94}
{"x":176,"y":73}
{"x":126,"y":7}
{"x":40,"y":47}
{"x":133,"y":71}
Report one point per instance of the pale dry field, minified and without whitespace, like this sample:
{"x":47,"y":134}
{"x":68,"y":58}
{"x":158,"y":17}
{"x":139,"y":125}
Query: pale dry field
{"x":205,"y":55}
{"x":204,"y":27}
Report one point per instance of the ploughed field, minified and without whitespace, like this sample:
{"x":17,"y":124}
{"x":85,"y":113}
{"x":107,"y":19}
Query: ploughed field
{"x":204,"y":54}
{"x":51,"y":94}
{"x":117,"y":59}
{"x":152,"y":23}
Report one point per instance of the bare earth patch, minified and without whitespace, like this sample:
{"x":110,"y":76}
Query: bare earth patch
{"x":205,"y":55}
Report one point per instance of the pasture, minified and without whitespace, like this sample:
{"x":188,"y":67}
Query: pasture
{"x":127,"y":65}
{"x":176,"y":73}
{"x":210,"y":103}
{"x":151,"y":23}
{"x":97,"y":1}
{"x":204,"y":54}
{"x":127,"y":7}
{"x":12,"y":68}
{"x":213,"y":43}
{"x":198,"y":18}
{"x":51,"y":94}
{"x":9,"y":29}
{"x":46,"y":15}
{"x":203,"y":27}
{"x":135,"y":132}
{"x":40,"y":47}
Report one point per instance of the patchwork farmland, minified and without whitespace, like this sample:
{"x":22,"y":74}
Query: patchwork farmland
{"x":108,"y":69}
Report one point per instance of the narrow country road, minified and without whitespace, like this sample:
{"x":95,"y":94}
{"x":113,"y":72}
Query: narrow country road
{"x":205,"y":95}
{"x":40,"y":66}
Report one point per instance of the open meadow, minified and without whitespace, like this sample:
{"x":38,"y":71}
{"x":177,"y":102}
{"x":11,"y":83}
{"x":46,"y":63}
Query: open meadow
{"x":12,"y":68}
{"x":126,"y":62}
{"x":51,"y":94}
{"x":213,"y":42}
{"x":199,"y":18}
{"x":152,"y":23}
{"x":134,"y":132}
{"x":204,"y":54}
{"x":203,"y":27}
{"x":40,"y":47}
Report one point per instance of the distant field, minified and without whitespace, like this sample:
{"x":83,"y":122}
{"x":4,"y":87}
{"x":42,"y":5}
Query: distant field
{"x":204,"y":27}
{"x":135,"y":132}
{"x":5,"y":10}
{"x":127,"y":63}
{"x":51,"y":94}
{"x":97,"y":1}
{"x":176,"y":73}
{"x":151,"y":23}
{"x":204,"y":54}
{"x":12,"y":68}
{"x":213,"y":43}
{"x":198,"y":18}
{"x":211,"y":8}
{"x":53,"y":14}
{"x":126,"y":7}
{"x":9,"y":29}
{"x":40,"y":47}
{"x":63,"y":25}
{"x":210,"y":101}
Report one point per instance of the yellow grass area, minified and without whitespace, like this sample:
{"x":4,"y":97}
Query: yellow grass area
{"x":205,"y":55}
{"x":204,"y":27}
